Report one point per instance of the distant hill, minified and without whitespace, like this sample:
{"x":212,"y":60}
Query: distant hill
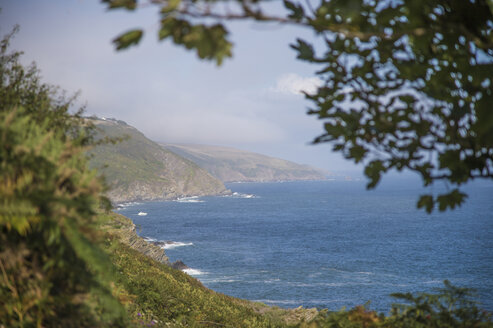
{"x":230,"y":165}
{"x":140,"y":169}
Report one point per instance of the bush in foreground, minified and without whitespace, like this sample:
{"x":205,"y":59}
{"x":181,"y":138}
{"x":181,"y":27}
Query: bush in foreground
{"x":52,"y":272}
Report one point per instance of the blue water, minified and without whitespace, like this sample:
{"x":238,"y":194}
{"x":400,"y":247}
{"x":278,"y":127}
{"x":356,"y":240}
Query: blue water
{"x":327,"y":244}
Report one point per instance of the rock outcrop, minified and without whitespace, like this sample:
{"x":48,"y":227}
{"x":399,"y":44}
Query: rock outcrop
{"x":179,"y":265}
{"x":124,"y":228}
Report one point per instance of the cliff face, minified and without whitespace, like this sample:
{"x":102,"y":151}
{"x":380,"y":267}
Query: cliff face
{"x":229,"y":164}
{"x":139,"y":169}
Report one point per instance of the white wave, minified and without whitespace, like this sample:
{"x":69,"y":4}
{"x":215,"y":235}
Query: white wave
{"x":270,"y":281}
{"x":219,"y":280}
{"x":301,"y":301}
{"x":300,"y":284}
{"x":174,"y":244}
{"x":193,"y":272}
{"x":166,"y":244}
{"x":131,"y":203}
{"x":192,"y":199}
{"x":350,"y":272}
{"x":122,"y":206}
{"x":324,"y":284}
{"x":240,"y":195}
{"x":142,"y":214}
{"x":286,"y":302}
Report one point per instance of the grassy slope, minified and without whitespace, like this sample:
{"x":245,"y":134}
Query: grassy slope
{"x":229,"y":164}
{"x":138,"y":168}
{"x":170,"y":297}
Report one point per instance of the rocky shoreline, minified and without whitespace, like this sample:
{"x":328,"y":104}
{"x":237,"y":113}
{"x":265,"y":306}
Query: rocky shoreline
{"x":118,"y":200}
{"x":127,"y":231}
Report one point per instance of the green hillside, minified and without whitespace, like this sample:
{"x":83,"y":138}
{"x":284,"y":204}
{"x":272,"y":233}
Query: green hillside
{"x":139,"y":169}
{"x":229,"y":164}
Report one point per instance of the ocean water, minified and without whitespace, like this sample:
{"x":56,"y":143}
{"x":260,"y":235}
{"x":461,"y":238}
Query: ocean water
{"x":326,"y":244}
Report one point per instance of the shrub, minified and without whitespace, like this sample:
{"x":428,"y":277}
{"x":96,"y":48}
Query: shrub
{"x":52,"y":273}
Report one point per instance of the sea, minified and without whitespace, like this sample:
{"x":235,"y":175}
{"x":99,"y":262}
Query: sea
{"x":326,"y":244}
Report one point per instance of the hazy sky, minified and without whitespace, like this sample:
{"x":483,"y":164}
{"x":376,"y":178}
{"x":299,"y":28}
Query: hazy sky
{"x":252,"y":102}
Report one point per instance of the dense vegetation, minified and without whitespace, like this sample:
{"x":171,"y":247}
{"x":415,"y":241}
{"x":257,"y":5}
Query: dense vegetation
{"x":52,"y":270}
{"x":62,"y":261}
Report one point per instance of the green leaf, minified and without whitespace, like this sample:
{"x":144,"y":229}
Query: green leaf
{"x":167,"y":26}
{"x":305,"y":50}
{"x":451,"y":200}
{"x":210,"y":42}
{"x":459,"y":169}
{"x":374,"y":171}
{"x":426,"y":201}
{"x":171,"y":5}
{"x":357,"y":152}
{"x":126,"y":4}
{"x":128,"y":39}
{"x":407,"y":99}
{"x":297,"y":12}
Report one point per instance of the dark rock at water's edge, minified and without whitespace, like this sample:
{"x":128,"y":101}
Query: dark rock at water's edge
{"x":128,"y":235}
{"x":179,"y":265}
{"x":151,"y":248}
{"x":161,"y":243}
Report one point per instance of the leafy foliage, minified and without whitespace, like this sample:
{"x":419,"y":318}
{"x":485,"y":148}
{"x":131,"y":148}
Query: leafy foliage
{"x":128,"y":39}
{"x":209,"y":41}
{"x":52,"y":270}
{"x":407,"y":84}
{"x":127,"y":4}
{"x":21,"y":87}
{"x":408,"y":87}
{"x":450,"y":307}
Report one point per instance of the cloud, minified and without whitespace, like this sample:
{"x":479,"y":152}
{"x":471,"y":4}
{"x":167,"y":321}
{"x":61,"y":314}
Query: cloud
{"x":294,"y":84}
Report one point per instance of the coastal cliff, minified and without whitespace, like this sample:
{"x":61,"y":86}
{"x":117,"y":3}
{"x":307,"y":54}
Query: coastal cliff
{"x":137,"y":168}
{"x":234,"y":165}
{"x":125,"y":230}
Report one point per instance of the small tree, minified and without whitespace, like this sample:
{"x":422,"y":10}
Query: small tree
{"x":52,"y":273}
